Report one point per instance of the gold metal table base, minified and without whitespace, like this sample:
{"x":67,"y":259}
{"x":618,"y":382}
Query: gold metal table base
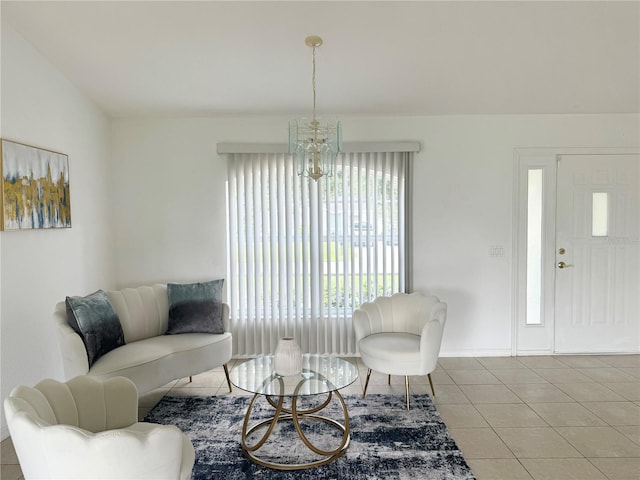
{"x":295,"y":415}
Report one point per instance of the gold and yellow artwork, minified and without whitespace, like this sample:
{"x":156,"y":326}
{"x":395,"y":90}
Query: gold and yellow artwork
{"x":35,"y":188}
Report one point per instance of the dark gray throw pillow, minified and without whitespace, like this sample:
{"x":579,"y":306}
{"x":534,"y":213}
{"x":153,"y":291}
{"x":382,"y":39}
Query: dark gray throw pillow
{"x":95,"y":320}
{"x":195,"y":307}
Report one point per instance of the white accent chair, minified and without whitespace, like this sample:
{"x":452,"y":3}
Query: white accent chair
{"x":88,"y":428}
{"x":400,"y":335}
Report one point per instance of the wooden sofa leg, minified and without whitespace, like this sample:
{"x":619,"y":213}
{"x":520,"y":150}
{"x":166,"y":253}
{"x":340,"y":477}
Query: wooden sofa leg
{"x":431,"y":383}
{"x":366,"y":384}
{"x":190,"y":379}
{"x":226,"y":372}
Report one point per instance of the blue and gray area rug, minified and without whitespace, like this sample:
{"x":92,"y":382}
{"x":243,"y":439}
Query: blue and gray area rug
{"x":387,"y":442}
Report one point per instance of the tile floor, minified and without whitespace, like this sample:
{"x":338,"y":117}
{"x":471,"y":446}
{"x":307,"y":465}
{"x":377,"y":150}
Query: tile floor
{"x":542,"y":418}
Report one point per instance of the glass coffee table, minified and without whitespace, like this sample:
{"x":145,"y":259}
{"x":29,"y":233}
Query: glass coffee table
{"x":290,"y":397}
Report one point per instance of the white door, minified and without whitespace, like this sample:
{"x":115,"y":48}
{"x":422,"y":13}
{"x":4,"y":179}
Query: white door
{"x":597,"y":254}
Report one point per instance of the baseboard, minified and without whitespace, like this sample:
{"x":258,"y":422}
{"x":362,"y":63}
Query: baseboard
{"x":490,"y":352}
{"x":599,"y":352}
{"x":532,"y":353}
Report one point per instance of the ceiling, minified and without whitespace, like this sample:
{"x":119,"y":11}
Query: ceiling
{"x":177,"y":58}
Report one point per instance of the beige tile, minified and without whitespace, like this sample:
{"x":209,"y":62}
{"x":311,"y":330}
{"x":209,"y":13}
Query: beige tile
{"x":599,"y":442}
{"x":589,"y":392}
{"x":621,"y":360}
{"x":378,"y":378}
{"x":194,"y":391}
{"x":416,"y":379}
{"x":633,"y":371}
{"x":440,"y":377}
{"x":498,"y":469}
{"x":445,"y":394}
{"x":616,"y":413}
{"x":143,"y":412}
{"x":236,"y":392}
{"x":480,"y":443}
{"x":8,"y":452}
{"x":152,"y":398}
{"x":606,"y":374}
{"x":582,"y":361}
{"x":562,"y":469}
{"x":353,"y":389}
{"x":461,"y":416}
{"x":517,"y":375}
{"x":567,"y":415}
{"x":489,"y":394}
{"x":233,"y":362}
{"x":618,"y":468}
{"x":495,"y":363}
{"x":10,"y":472}
{"x":546,"y":392}
{"x":460,"y":363}
{"x":211,"y":379}
{"x":473,"y":377}
{"x":629,"y":390}
{"x":510,"y":415}
{"x":632,"y":432}
{"x":542,"y":362}
{"x":399,"y":380}
{"x":383,"y":388}
{"x":536,"y":442}
{"x":563,"y":375}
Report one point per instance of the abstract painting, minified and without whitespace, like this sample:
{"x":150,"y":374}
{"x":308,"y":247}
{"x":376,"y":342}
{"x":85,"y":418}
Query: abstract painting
{"x":35,"y":188}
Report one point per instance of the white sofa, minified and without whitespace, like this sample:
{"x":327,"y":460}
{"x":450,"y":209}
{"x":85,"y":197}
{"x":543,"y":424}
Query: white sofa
{"x":88,"y":428}
{"x":149,"y":358}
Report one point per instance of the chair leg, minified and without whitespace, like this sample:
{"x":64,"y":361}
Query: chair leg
{"x":406,"y":389}
{"x":431,"y":383}
{"x":389,"y":380}
{"x":190,"y":379}
{"x":226,"y":372}
{"x":366,"y":384}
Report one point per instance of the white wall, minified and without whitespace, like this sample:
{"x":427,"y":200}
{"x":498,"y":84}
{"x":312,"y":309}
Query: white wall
{"x":170,"y":186}
{"x":165,"y":185}
{"x":39,"y":268}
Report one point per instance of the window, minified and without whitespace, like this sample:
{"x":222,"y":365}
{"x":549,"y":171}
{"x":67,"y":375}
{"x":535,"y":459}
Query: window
{"x":304,"y":254}
{"x":534,"y":247}
{"x":600,"y":214}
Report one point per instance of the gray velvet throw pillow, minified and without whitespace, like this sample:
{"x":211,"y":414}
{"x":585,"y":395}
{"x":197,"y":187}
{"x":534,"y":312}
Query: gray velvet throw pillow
{"x":195,"y":307}
{"x":95,"y":320}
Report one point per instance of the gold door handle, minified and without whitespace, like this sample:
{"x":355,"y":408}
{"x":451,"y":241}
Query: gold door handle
{"x":564,"y":265}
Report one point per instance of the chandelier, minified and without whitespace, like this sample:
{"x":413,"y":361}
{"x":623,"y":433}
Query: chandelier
{"x":314,"y":143}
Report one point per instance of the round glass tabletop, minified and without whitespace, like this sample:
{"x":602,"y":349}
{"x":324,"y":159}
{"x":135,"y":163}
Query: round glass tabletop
{"x":320,"y":374}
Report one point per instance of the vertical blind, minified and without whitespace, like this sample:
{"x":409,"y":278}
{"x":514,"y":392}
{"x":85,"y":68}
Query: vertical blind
{"x":304,"y":254}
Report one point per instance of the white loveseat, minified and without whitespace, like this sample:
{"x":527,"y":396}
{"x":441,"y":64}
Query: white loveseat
{"x":149,"y":358}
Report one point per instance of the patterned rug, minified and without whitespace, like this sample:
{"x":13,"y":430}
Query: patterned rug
{"x":387,"y":442}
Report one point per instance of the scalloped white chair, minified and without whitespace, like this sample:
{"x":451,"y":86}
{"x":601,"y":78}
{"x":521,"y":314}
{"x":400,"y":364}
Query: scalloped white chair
{"x":88,"y":428}
{"x":400,"y":335}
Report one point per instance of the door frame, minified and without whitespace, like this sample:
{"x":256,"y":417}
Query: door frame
{"x":539,"y":339}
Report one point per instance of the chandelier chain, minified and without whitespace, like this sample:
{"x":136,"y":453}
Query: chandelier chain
{"x":313,"y":82}
{"x":315,"y":146}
